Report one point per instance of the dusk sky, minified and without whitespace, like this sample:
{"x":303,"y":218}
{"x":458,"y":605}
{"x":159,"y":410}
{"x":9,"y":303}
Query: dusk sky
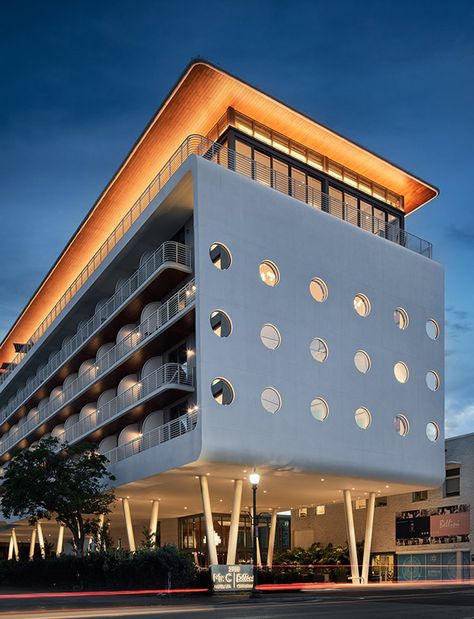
{"x":80,"y":80}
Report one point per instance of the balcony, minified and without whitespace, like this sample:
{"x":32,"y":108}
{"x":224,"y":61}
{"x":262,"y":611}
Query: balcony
{"x":155,"y":334}
{"x":221,"y":155}
{"x":160,"y":272}
{"x":157,"y":389}
{"x":157,"y":436}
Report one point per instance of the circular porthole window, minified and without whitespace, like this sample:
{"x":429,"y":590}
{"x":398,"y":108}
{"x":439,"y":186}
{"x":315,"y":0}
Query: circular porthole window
{"x":362,"y":305}
{"x":400,"y":318}
{"x":271,"y":400}
{"x":270,"y":336}
{"x":401,"y":372}
{"x":221,"y":323}
{"x":318,"y":290}
{"x":401,"y":425}
{"x":363,"y":418}
{"x":362,"y":361}
{"x":220,"y":256}
{"x":269,"y":273}
{"x":222,"y":391}
{"x":319,"y":409}
{"x":432,"y":380}
{"x":432,"y":431}
{"x":319,"y":349}
{"x":432,"y":329}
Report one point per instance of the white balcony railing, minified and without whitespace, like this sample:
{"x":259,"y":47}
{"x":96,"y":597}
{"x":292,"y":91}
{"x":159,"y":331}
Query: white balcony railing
{"x":170,"y":375}
{"x":169,"y":253}
{"x":182,"y":425}
{"x":158,"y":321}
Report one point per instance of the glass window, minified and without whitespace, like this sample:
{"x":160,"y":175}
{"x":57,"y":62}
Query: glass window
{"x":243,"y":163}
{"x":314,"y":192}
{"x":363,"y":418}
{"x":366,"y":216}
{"x":269,"y":273}
{"x":318,"y":290}
{"x":222,"y":391}
{"x":419,"y":495}
{"x":335,"y":202}
{"x":361,"y":503}
{"x":220,"y":256}
{"x":379,"y":222}
{"x":351,"y":210}
{"x":401,"y":425}
{"x":302,"y":512}
{"x":320,"y":510}
{"x":270,"y":336}
{"x":381,"y":501}
{"x":262,"y":168}
{"x":432,"y":431}
{"x":221,"y":323}
{"x":432,"y":329}
{"x":452,"y":484}
{"x":298,"y":184}
{"x":271,"y":400}
{"x":432,"y":380}
{"x":280,"y":176}
{"x":401,"y":372}
{"x":319,"y":349}
{"x":315,"y":160}
{"x":362,"y":305}
{"x":362,"y":361}
{"x":400,"y":318}
{"x":319,"y":409}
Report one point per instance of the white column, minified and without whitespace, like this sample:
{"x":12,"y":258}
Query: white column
{"x":60,"y":542}
{"x":234,"y":522}
{"x":259,"y":556}
{"x":351,"y":536}
{"x":39,"y":529}
{"x":31,"y":554}
{"x":10,"y":548}
{"x":210,"y":535}
{"x":155,"y":510}
{"x":128,"y":525}
{"x":369,"y":529}
{"x":271,"y":538}
{"x":15,"y":545}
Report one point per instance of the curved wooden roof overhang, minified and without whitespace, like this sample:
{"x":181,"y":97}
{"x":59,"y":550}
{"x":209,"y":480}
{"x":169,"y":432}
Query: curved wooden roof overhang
{"x":195,"y":104}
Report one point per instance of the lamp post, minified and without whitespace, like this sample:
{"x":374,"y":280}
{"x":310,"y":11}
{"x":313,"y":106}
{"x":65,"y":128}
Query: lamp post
{"x":254,"y":479}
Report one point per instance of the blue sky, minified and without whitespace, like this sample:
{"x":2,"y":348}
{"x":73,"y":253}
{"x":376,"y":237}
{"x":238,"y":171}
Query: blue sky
{"x":80,"y":81}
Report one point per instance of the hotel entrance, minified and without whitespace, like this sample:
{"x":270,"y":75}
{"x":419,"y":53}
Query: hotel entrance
{"x":383,"y":567}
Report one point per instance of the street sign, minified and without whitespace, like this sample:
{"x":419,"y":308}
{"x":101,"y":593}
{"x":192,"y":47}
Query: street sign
{"x":232,"y":577}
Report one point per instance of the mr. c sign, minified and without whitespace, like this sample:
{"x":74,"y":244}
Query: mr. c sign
{"x":232,"y":577}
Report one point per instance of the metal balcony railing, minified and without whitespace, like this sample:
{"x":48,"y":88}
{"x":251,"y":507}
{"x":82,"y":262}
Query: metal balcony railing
{"x":168,"y":253}
{"x":168,"y":375}
{"x":202,"y":146}
{"x":182,"y":425}
{"x":127,"y":346}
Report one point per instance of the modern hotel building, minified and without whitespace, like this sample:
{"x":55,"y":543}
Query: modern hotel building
{"x":243,"y":295}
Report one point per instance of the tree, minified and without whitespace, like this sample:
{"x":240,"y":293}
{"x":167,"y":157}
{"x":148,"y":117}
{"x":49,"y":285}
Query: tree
{"x":61,"y":481}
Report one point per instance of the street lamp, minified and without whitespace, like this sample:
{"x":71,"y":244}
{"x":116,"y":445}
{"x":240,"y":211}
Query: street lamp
{"x":254,"y":479}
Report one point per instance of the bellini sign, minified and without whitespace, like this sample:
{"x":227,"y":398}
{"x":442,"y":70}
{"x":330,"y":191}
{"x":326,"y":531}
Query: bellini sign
{"x":439,"y":525}
{"x":232,"y":577}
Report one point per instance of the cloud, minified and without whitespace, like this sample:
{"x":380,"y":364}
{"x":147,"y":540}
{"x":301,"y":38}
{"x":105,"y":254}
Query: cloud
{"x":461,"y":236}
{"x":458,"y":322}
{"x":459,"y":420}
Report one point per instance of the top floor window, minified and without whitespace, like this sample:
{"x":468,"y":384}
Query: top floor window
{"x":452,"y":483}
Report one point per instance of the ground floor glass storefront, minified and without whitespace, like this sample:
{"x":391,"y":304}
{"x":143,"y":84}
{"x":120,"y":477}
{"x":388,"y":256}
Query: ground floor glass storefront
{"x":192,"y":536}
{"x":433,"y":566}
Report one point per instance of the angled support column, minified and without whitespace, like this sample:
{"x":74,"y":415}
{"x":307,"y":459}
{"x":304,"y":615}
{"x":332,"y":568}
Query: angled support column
{"x":31,"y":554}
{"x":210,"y":535}
{"x":155,"y":510}
{"x":60,"y":542}
{"x":351,"y":537}
{"x":369,"y":529}
{"x":259,"y":556}
{"x":129,"y":525}
{"x":10,"y":548}
{"x":100,"y":532}
{"x":234,"y":522}
{"x":16,"y":552}
{"x":271,"y":539}
{"x":39,"y":530}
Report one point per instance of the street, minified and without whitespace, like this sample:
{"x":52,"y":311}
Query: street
{"x":456,"y":602}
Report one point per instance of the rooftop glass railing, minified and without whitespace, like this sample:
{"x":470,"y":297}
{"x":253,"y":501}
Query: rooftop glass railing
{"x":202,"y":146}
{"x":169,"y":253}
{"x":159,"y":320}
{"x":173,"y":429}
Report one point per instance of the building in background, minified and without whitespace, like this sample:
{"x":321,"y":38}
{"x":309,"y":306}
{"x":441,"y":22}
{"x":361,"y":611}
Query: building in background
{"x":243,"y":295}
